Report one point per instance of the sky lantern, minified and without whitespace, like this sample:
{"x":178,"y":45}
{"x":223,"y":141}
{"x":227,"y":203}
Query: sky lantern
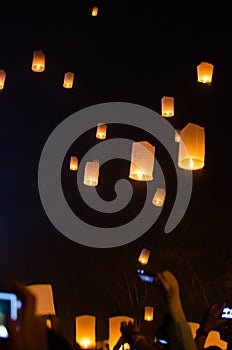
{"x":159,"y":197}
{"x":167,"y":106}
{"x":38,"y":62}
{"x":91,"y":173}
{"x":142,"y":161}
{"x":2,"y":78}
{"x":148,"y":313}
{"x":144,"y":256}
{"x":192,"y":147}
{"x":101,"y":131}
{"x":86,"y":331}
{"x":44,"y":299}
{"x":94,"y":11}
{"x":68,"y":80}
{"x":114,"y":328}
{"x":205,"y":72}
{"x":73,"y":163}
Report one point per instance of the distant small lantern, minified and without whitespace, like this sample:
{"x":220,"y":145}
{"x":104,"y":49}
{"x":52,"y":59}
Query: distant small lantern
{"x":159,"y":197}
{"x":192,"y":147}
{"x":38,"y":62}
{"x":68,"y":80}
{"x":101,"y":131}
{"x":95,"y":11}
{"x":73,"y":163}
{"x":167,"y":106}
{"x":144,"y":256}
{"x":91,"y":173}
{"x":142,"y":161}
{"x":148,"y":313}
{"x":49,"y":323}
{"x":2,"y":78}
{"x":177,"y":135}
{"x":205,"y":72}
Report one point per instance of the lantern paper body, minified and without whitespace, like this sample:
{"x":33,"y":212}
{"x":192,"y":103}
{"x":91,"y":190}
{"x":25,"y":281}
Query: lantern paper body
{"x":114,"y":328}
{"x":167,"y":106}
{"x":73,"y":163}
{"x":86,"y":331}
{"x":214,"y":339}
{"x":144,"y":256}
{"x":44,"y":299}
{"x":2,"y":78}
{"x":38,"y":62}
{"x":91,"y":173}
{"x":68,"y":80}
{"x":95,"y":11}
{"x":192,"y":147}
{"x":142,"y":161}
{"x":177,"y":135}
{"x":159,"y":197}
{"x":101,"y":131}
{"x":148,"y":313}
{"x":205,"y":72}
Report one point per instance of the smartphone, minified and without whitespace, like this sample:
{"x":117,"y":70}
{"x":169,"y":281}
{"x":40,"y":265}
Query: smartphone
{"x":9,"y":306}
{"x":226,"y":313}
{"x":146,"y":276}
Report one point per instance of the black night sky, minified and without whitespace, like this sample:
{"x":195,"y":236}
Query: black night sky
{"x":133,"y":51}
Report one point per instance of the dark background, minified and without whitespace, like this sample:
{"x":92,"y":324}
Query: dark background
{"x":133,"y":51}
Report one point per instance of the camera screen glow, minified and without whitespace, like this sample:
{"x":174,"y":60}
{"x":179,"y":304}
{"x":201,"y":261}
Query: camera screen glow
{"x":227,"y":313}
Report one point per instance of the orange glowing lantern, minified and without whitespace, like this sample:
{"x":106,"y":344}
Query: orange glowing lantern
{"x":91,"y":173}
{"x":144,"y":256}
{"x":86,"y":331}
{"x":167,"y":106}
{"x":177,"y":135}
{"x":114,"y":328}
{"x":38,"y":62}
{"x":68,"y":80}
{"x":44,"y":299}
{"x":205,"y":72}
{"x":192,"y":147}
{"x":148,"y":313}
{"x":159,"y":197}
{"x":2,"y":78}
{"x":73,"y":163}
{"x":95,"y":11}
{"x":142,"y":161}
{"x":101,"y":131}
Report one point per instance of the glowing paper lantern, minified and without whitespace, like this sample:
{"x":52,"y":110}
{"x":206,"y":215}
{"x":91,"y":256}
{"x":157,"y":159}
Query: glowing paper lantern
{"x":192,"y":147}
{"x":101,"y":131}
{"x":2,"y":78}
{"x":91,"y":173}
{"x":148,"y":313}
{"x":144,"y":256}
{"x":86,"y":331}
{"x":159,"y":197}
{"x":95,"y":11}
{"x":205,"y":72}
{"x":114,"y":328}
{"x":73,"y":163}
{"x":38,"y":62}
{"x":142,"y":161}
{"x":44,"y":299}
{"x":167,"y":106}
{"x":177,"y":135}
{"x":214,"y":339}
{"x":68,"y":80}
